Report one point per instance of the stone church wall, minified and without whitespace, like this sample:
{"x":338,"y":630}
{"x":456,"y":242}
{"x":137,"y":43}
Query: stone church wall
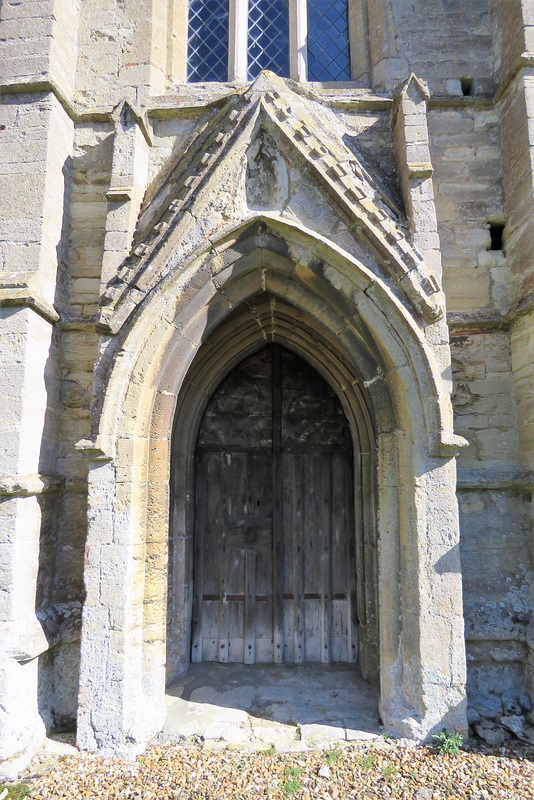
{"x":65,"y":66}
{"x":467,"y":160}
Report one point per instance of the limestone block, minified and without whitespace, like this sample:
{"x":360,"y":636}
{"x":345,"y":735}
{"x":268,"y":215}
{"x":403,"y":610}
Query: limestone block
{"x":27,"y":189}
{"x":39,"y":40}
{"x":21,"y":728}
{"x":25,"y":399}
{"x":522,"y":343}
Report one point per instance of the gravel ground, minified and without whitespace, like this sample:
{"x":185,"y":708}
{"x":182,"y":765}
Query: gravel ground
{"x":365,"y":772}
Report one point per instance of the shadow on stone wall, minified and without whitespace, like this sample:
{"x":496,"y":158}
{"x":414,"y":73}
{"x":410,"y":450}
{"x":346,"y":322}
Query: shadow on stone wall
{"x":60,"y":591}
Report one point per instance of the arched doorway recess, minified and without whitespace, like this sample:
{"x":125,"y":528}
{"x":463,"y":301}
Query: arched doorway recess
{"x":274,"y":570}
{"x":271,"y":282}
{"x":337,"y":451}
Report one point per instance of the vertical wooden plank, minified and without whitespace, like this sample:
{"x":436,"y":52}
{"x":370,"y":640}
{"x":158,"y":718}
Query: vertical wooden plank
{"x":359,"y":541}
{"x":355,"y":523}
{"x":224,"y":565}
{"x":338,"y":637}
{"x":200,"y":524}
{"x":340,"y":567}
{"x":211,"y":555}
{"x":262,"y":470}
{"x":312,"y":556}
{"x":370,"y":567}
{"x":249,"y":622}
{"x":344,"y":568}
{"x":290,"y":555}
{"x":235,"y":563}
{"x":278,"y":520}
{"x":325,"y":491}
{"x":352,"y":606}
{"x":210,"y":626}
{"x":288,"y":631}
{"x":236,"y":581}
{"x":300,"y":517}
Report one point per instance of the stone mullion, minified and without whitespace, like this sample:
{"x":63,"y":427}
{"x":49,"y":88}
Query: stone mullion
{"x":298,"y":34}
{"x":359,"y":41}
{"x":177,"y":37}
{"x":237,"y":40}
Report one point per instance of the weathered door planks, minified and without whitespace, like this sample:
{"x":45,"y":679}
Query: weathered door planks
{"x":274,"y":569}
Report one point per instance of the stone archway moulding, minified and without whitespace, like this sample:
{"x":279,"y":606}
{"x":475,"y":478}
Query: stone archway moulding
{"x":379,"y":351}
{"x":368,"y":296}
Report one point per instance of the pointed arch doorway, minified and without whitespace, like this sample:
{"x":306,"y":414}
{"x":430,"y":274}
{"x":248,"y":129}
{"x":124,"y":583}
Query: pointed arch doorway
{"x":274,"y":572}
{"x":388,"y":376}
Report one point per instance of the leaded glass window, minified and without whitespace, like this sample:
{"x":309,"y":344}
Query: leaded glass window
{"x":268,"y":37}
{"x":328,"y":40}
{"x":207,"y":54}
{"x":262,"y":39}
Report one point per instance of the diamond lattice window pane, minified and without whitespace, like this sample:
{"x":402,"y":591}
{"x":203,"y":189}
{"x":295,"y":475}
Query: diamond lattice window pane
{"x":207,"y":47}
{"x":268,"y":37}
{"x":328,"y":41}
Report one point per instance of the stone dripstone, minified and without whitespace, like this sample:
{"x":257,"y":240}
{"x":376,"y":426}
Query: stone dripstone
{"x":380,"y":770}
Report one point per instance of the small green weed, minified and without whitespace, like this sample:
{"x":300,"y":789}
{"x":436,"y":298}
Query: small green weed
{"x":292,"y":787}
{"x":16,"y":792}
{"x":448,"y":743}
{"x":293,"y":772}
{"x":389,"y":771}
{"x":270,"y":751}
{"x":333,"y":755}
{"x":368,"y":761}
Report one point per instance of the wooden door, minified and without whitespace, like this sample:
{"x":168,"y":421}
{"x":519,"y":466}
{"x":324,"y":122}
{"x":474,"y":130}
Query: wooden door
{"x":274,"y":571}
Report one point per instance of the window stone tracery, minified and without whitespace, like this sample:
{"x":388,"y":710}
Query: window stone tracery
{"x":237,"y":39}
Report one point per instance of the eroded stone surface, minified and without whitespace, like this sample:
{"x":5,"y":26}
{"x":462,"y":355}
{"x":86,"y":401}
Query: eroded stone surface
{"x":291,"y":708}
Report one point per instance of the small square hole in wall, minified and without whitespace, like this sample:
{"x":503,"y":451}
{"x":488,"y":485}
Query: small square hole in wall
{"x":468,"y":87}
{"x":496,"y":230}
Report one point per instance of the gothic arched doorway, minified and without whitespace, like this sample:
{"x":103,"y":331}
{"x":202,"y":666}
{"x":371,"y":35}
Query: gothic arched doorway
{"x":161,"y":372}
{"x":274,"y":562}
